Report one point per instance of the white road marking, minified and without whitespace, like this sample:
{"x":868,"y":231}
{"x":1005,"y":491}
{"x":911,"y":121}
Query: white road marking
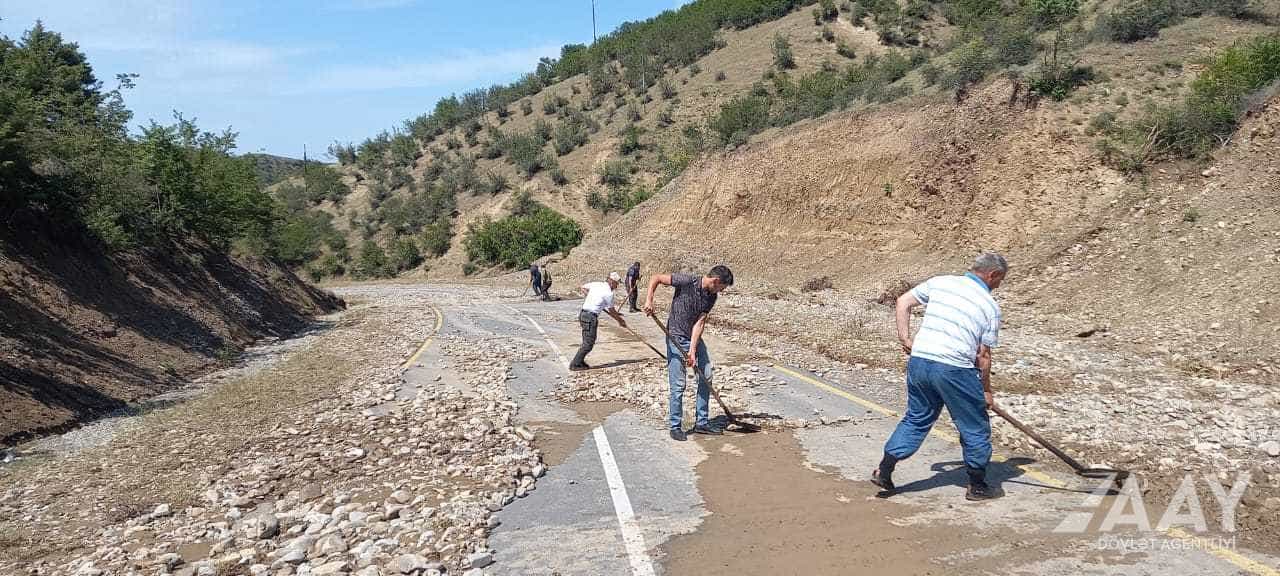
{"x":641,"y":564}
{"x":554,"y":348}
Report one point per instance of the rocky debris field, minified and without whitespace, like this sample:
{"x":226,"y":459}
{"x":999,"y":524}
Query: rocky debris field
{"x":330,"y":463}
{"x":644,"y":385}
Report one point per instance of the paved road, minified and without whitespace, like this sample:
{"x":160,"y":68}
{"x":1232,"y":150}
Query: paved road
{"x":621,"y":498}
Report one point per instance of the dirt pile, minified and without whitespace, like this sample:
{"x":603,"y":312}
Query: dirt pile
{"x":83,"y":333}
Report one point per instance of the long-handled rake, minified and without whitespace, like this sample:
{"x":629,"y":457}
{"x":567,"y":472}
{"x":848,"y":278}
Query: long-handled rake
{"x":1117,"y":476}
{"x":741,"y":426}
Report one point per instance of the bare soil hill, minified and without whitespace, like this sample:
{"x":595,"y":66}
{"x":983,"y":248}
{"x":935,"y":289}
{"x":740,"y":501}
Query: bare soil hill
{"x":83,"y":333}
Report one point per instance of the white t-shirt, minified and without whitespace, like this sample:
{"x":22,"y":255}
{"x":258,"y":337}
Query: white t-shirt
{"x":959,"y":314}
{"x":599,"y":297}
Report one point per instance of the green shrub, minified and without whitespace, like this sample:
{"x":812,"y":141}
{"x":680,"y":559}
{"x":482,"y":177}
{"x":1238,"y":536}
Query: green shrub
{"x":404,"y":255}
{"x":666,"y":117}
{"x":1102,"y":123}
{"x":630,"y":140}
{"x":827,"y":10}
{"x":843,"y":49}
{"x":827,"y":34}
{"x":1057,"y":81}
{"x":720,"y":76}
{"x":616,"y":172}
{"x":617,"y":199}
{"x":517,"y":240}
{"x":345,"y":154}
{"x":542,"y":130}
{"x":558,"y":177}
{"x":694,"y":70}
{"x":326,"y":266}
{"x":526,"y":107}
{"x":496,"y":183}
{"x":469,"y":268}
{"x":524,"y":150}
{"x":969,"y":64}
{"x":569,"y":135}
{"x":743,"y":116}
{"x":435,"y":236}
{"x":667,"y":88}
{"x":373,"y":262}
{"x":782,"y":56}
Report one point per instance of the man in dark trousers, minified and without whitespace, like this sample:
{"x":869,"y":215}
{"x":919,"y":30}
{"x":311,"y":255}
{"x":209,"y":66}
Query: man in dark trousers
{"x":535,"y":279}
{"x":633,"y":278}
{"x":949,"y":366}
{"x":597,"y":297}
{"x":545,"y":274}
{"x":695,"y":296}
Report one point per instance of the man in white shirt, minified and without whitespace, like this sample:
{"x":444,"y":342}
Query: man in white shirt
{"x":949,"y":365}
{"x":597,"y":298}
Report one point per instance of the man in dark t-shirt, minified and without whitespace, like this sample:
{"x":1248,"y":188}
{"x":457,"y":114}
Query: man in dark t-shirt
{"x":693,"y":300}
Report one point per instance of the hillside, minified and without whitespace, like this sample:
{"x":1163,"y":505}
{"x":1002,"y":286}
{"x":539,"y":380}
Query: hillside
{"x":593,"y":144}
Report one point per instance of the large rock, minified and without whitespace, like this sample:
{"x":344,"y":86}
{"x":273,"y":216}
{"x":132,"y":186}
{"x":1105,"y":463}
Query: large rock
{"x":331,"y":568}
{"x":409,"y":564}
{"x":259,"y":526}
{"x":331,"y":544}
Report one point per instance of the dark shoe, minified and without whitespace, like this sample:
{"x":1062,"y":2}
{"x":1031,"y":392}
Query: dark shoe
{"x":584,"y":366}
{"x":883,"y":481}
{"x":677,"y":434}
{"x":980,"y":491}
{"x":708,"y":430}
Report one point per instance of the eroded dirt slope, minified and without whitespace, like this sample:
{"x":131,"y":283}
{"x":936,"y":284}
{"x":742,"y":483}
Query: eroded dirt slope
{"x":83,"y":333}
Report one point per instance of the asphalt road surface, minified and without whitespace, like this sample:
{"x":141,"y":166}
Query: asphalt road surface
{"x":620,"y":497}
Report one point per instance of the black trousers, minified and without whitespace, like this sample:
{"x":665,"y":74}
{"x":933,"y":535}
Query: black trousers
{"x":589,"y":322}
{"x":633,"y":291}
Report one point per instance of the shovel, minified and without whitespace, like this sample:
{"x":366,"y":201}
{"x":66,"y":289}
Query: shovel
{"x":733,"y":420}
{"x":1118,"y":476}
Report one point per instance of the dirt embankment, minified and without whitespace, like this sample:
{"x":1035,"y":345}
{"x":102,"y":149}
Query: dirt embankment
{"x":83,"y":333}
{"x":918,"y":188}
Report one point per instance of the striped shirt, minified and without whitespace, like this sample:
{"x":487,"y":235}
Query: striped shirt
{"x":959,"y":315}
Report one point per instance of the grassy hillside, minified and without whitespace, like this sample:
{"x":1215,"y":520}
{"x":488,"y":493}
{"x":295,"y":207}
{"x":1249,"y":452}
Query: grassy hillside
{"x":602,"y":129}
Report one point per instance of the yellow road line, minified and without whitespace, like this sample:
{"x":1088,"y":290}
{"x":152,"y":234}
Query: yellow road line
{"x":430,"y":339}
{"x":942,"y":434}
{"x":1235,"y":558}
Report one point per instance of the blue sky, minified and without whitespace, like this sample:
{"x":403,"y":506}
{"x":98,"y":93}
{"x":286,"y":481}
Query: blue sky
{"x":285,"y":73}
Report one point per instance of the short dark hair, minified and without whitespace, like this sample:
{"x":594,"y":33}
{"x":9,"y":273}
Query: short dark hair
{"x":723,"y":273}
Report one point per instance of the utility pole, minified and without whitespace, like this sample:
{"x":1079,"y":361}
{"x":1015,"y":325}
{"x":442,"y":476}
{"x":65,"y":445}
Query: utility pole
{"x":593,"y":21}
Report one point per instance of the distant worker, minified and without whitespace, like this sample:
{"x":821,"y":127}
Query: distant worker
{"x":597,"y":298}
{"x":535,"y":279}
{"x":545,"y":274}
{"x":633,"y":278}
{"x":692,"y":302}
{"x":949,"y":365}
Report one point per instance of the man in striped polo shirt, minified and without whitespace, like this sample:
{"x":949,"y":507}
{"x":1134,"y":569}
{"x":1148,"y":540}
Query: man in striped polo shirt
{"x":949,"y":365}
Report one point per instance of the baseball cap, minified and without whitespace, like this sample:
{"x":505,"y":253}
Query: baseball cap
{"x":615,"y":277}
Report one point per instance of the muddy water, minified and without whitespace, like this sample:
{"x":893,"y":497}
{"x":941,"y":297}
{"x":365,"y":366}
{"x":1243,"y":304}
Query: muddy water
{"x":772,"y":513}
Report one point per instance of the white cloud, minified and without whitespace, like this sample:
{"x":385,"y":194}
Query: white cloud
{"x":461,"y":68}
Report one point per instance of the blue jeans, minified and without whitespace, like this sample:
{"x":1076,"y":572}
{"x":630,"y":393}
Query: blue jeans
{"x":675,"y":377}
{"x":932,"y":385}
